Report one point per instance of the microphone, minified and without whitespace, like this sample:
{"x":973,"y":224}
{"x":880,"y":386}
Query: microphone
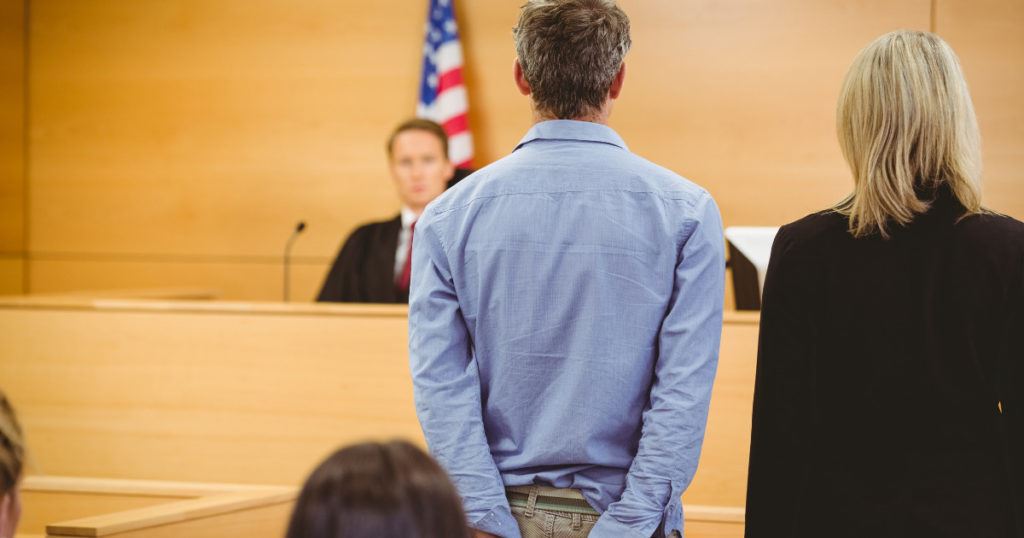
{"x":288,"y":254}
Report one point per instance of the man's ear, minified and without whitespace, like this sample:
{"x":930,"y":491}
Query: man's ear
{"x":521,"y":83}
{"x":617,"y":82}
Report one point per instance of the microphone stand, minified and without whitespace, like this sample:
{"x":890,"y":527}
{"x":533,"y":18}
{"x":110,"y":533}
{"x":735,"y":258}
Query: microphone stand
{"x":288,"y":255}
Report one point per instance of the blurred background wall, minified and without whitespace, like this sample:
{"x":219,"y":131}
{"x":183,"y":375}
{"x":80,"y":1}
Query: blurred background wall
{"x":155,"y":143}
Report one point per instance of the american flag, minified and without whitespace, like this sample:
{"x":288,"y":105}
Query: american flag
{"x":442,"y":93}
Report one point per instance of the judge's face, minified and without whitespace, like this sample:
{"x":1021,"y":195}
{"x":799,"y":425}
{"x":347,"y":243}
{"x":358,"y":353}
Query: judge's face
{"x":419,"y":167}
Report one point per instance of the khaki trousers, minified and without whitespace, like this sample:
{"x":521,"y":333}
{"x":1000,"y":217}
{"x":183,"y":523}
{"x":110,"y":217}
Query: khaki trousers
{"x":544,"y":512}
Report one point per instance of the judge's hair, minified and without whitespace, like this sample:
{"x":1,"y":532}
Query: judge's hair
{"x":907,"y":127}
{"x":12,"y":447}
{"x":373,"y":489}
{"x":419,"y":124}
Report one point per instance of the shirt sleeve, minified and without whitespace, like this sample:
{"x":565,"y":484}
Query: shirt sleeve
{"x":446,"y":385}
{"x":674,"y":421}
{"x":782,"y":393}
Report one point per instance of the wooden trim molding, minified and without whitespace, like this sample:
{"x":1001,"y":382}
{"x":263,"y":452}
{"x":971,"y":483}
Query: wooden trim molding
{"x":715,"y":514}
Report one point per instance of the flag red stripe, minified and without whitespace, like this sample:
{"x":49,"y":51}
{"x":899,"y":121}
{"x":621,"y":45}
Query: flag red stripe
{"x":456,"y":125}
{"x":449,"y":79}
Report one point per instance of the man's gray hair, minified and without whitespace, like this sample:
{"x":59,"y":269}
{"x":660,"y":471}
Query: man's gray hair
{"x":570,"y":52}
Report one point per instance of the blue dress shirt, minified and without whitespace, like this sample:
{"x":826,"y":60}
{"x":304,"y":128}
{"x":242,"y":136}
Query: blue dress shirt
{"x":564,"y":322}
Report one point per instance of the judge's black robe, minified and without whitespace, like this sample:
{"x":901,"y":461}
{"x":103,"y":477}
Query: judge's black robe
{"x":364,"y":271}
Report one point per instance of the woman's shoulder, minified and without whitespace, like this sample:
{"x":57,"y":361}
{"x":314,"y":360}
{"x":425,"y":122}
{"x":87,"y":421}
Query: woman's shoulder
{"x":820,"y":228}
{"x":993,"y":223}
{"x":992,"y":233}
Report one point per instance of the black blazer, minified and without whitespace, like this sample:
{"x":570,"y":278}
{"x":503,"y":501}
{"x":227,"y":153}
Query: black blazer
{"x":364,"y":270}
{"x":881,"y":372}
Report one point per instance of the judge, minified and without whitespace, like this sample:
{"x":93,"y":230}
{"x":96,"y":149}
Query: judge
{"x":373,"y":265}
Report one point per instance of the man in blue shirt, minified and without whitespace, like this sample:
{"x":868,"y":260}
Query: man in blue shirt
{"x":566,"y":308}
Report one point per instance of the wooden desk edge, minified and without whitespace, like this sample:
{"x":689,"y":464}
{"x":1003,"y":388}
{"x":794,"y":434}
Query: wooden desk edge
{"x":714,"y":514}
{"x":144,"y":488}
{"x":30,"y":302}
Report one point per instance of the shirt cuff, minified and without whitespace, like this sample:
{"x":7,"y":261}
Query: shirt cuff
{"x":609,"y":527}
{"x":499,"y":522}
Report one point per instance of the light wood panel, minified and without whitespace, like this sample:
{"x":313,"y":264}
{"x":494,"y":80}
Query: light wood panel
{"x":192,"y":128}
{"x":235,"y":280}
{"x":706,"y":529}
{"x":201,"y":127}
{"x":257,"y":393}
{"x":12,"y":273}
{"x":12,"y":127}
{"x":987,"y":36}
{"x":238,"y":396}
{"x":721,"y":478}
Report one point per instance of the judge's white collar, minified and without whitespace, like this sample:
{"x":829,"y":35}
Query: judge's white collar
{"x":408,"y":217}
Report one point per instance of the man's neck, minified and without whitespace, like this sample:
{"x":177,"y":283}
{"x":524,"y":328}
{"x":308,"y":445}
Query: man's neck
{"x":600,"y":117}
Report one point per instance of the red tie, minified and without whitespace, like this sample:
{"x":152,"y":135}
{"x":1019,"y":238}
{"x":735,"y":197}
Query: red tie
{"x":403,"y":281}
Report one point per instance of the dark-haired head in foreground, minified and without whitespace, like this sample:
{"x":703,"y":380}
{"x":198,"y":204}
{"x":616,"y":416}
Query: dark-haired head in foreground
{"x":374,"y":490}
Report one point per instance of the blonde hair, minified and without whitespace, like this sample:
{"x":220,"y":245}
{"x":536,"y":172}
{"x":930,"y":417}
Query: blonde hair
{"x":907,"y":127}
{"x":12,"y":447}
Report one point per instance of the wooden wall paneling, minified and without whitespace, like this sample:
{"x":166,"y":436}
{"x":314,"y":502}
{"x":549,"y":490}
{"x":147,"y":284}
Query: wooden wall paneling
{"x":12,"y":147}
{"x":208,"y":129}
{"x":706,"y":529}
{"x":12,"y":274}
{"x":240,"y":279}
{"x":499,"y":115}
{"x":987,"y":36}
{"x":740,"y":96}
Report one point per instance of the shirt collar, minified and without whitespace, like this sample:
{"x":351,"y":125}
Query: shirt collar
{"x":408,"y":217}
{"x":582,"y":131}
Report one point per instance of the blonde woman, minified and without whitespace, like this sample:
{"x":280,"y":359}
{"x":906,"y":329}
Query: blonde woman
{"x":890,"y":380}
{"x":12,"y":457}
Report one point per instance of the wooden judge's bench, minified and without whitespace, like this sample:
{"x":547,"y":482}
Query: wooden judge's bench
{"x":143,"y":414}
